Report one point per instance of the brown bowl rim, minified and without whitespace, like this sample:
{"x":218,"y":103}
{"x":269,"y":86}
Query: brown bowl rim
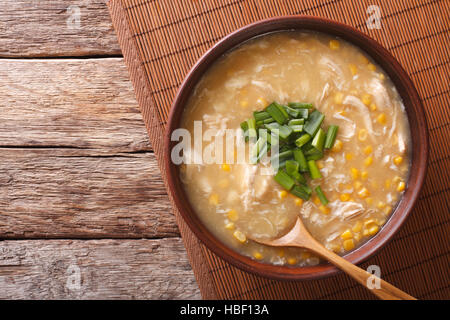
{"x":418,"y":128}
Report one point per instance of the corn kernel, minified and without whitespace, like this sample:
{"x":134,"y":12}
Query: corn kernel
{"x":338,"y":97}
{"x":225,"y":167}
{"x":239,"y":236}
{"x":229,"y":226}
{"x":363,"y":193}
{"x":232,"y":215}
{"x":355,"y":173}
{"x":334,"y":247}
{"x":257,"y":255}
{"x":368,"y":161}
{"x":214,"y":199}
{"x":362,"y":58}
{"x":371,"y":67}
{"x":401,"y":186}
{"x":357,"y":237}
{"x":298,"y":202}
{"x":373,"y":230}
{"x":320,"y":164}
{"x":261,"y":102}
{"x":292,"y":261}
{"x":357,"y":227}
{"x":381,"y":118}
{"x":366,"y":99}
{"x":316,"y":200}
{"x":396,"y":179}
{"x":380,"y":222}
{"x":369,"y":201}
{"x":364,"y":175}
{"x":387,"y":210}
{"x":357,"y":184}
{"x":337,"y":146}
{"x":324,"y":209}
{"x":353,"y":69}
{"x":344,"y":197}
{"x":348,"y":244}
{"x":369,"y":222}
{"x":381,"y":76}
{"x":381,"y":205}
{"x":365,"y":233}
{"x":398,"y":160}
{"x":347,"y":234}
{"x":282,"y":194}
{"x":349,"y":156}
{"x":362,"y":135}
{"x":244,"y":103}
{"x":224,"y":183}
{"x":306,"y":255}
{"x":368,"y":150}
{"x":388,"y":183}
{"x":334,"y":44}
{"x":373,"y":107}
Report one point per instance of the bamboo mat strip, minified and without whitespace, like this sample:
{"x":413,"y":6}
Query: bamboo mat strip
{"x":161,"y":40}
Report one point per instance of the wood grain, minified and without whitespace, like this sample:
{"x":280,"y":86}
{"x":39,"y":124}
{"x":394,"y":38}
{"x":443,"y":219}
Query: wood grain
{"x":77,"y":103}
{"x":96,"y":269}
{"x":60,"y":193}
{"x":49,"y":28}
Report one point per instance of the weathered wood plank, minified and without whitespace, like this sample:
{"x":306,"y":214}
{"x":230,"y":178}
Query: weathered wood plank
{"x":73,"y":103}
{"x":96,"y":269}
{"x":56,"y":28}
{"x":60,"y":193}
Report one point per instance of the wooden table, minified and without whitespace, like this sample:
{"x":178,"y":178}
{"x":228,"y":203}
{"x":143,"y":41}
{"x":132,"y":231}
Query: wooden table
{"x":83,"y":209}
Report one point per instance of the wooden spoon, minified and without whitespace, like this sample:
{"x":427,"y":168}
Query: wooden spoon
{"x":300,"y":237}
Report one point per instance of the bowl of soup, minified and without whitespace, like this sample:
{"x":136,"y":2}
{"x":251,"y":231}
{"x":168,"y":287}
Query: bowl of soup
{"x":365,"y":181}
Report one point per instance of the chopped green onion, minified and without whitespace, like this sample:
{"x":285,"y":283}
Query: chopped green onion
{"x":258,"y":150}
{"x":303,"y":139}
{"x":296,"y":122}
{"x":299,"y":105}
{"x":314,"y":170}
{"x":321,"y":195}
{"x":252,"y":129}
{"x":292,"y":166}
{"x":244,"y":127}
{"x":303,"y":113}
{"x":331,"y":136}
{"x":268,"y":120}
{"x":319,"y":140}
{"x":261,"y":115}
{"x":296,"y":127}
{"x":292,"y":112}
{"x":300,"y":158}
{"x":299,"y":192}
{"x":277,"y":112}
{"x":285,"y":154}
{"x":314,"y":156}
{"x":283,"y":131}
{"x":284,"y":180}
{"x":314,"y":122}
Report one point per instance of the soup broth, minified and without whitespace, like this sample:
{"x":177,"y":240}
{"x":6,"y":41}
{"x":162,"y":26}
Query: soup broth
{"x":364,"y":174}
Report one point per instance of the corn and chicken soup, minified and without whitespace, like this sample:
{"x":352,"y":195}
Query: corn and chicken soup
{"x":361,"y":176}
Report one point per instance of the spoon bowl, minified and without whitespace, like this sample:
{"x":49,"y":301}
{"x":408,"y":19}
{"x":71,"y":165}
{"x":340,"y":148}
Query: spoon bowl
{"x":300,"y":237}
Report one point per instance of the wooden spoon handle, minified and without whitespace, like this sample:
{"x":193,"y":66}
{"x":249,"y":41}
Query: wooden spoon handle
{"x":386,"y":291}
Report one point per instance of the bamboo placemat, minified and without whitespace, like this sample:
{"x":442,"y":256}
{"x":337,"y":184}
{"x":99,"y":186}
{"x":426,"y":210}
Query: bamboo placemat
{"x":162,"y":39}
